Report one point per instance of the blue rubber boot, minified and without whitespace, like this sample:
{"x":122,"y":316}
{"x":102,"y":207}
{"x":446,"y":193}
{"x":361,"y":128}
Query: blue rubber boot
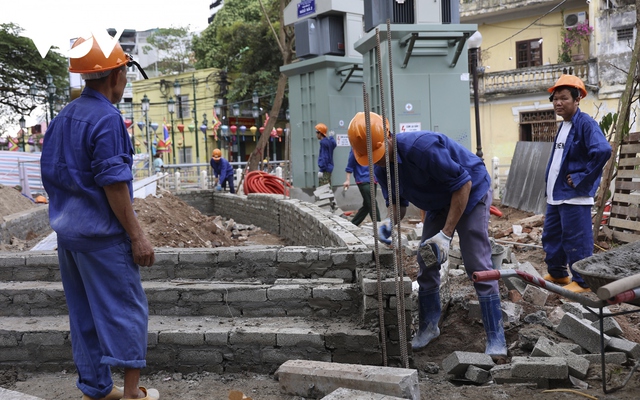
{"x":429,"y":316}
{"x":493,"y":326}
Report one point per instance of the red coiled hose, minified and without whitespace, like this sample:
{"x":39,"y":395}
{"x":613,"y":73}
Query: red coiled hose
{"x":262,"y":182}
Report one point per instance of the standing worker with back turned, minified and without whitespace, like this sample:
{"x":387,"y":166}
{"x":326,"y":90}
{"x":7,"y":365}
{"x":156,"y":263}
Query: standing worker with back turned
{"x":222,"y":171}
{"x":452,"y":185}
{"x":86,"y":165}
{"x":325,"y":156}
{"x":573,"y":174}
{"x":361,"y":175}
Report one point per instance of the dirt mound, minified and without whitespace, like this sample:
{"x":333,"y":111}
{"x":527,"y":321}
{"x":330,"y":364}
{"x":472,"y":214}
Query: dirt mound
{"x":12,"y":201}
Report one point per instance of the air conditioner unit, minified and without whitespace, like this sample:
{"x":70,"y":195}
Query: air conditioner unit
{"x":574,"y":19}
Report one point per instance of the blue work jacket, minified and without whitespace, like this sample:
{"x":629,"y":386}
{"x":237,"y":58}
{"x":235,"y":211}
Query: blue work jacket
{"x":221,"y":168}
{"x":360,"y":173}
{"x":86,"y":147}
{"x":325,"y":157}
{"x":586,"y":151}
{"x":431,"y":167}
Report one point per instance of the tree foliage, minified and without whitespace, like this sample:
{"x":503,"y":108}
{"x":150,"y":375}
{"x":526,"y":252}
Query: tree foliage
{"x":174,"y":48}
{"x":21,"y":66}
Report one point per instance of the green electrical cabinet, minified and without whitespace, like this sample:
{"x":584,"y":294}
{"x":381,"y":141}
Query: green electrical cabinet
{"x":325,"y":89}
{"x":430,"y":73}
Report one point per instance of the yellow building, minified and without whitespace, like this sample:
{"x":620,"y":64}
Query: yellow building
{"x":521,"y":55}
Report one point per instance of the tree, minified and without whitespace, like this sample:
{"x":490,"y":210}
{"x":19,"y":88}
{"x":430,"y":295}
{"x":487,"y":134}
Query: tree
{"x":174,"y":44}
{"x":21,"y":66}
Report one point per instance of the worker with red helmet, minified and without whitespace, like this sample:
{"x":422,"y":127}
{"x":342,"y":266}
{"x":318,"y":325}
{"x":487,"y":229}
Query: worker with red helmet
{"x":222,"y":171}
{"x":449,"y":182}
{"x":573,"y":175}
{"x":86,"y":168}
{"x":325,"y":156}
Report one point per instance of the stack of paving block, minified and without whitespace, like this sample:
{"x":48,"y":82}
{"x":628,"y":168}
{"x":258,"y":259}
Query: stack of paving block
{"x":325,"y":199}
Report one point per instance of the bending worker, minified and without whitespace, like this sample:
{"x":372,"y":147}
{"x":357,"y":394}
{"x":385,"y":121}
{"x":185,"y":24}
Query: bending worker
{"x":452,"y":185}
{"x":86,"y":167}
{"x":222,"y":171}
{"x":573,"y":175}
{"x":361,"y":175}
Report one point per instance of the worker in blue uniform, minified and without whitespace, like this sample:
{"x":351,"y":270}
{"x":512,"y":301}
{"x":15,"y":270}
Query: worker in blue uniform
{"x":86,"y":167}
{"x":573,"y":175}
{"x":222,"y":171}
{"x":361,"y":175}
{"x":325,"y":155}
{"x":452,"y":185}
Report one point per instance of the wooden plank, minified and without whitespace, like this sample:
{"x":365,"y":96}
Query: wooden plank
{"x":627,"y":185}
{"x":624,"y":224}
{"x":631,"y":212}
{"x":633,"y":137}
{"x":630,"y":148}
{"x":626,"y":198}
{"x":625,"y":237}
{"x":628,"y":173}
{"x":629,"y":162}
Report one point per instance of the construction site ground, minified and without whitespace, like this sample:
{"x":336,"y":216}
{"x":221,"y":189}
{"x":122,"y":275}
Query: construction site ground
{"x":171,"y":223}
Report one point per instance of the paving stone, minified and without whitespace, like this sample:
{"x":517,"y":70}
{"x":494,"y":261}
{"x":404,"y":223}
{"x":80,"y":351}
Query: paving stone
{"x":578,"y":366}
{"x":517,"y":283}
{"x":539,"y":367}
{"x":628,"y":347}
{"x":477,"y":375}
{"x":613,"y":357}
{"x":501,"y":374}
{"x":535,"y":295}
{"x":609,"y":326}
{"x":316,"y":378}
{"x":581,"y":332}
{"x":457,"y":362}
{"x":351,"y":394}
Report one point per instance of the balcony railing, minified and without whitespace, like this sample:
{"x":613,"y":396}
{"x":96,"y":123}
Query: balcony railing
{"x":528,"y":80}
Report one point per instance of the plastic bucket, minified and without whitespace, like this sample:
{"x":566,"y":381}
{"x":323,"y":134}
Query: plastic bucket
{"x":497,"y":255}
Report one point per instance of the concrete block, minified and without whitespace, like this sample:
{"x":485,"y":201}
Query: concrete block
{"x":315,"y":379}
{"x":351,"y":394}
{"x":11,"y":395}
{"x":539,"y":367}
{"x":614,"y":357}
{"x":535,"y":295}
{"x":581,"y":332}
{"x":555,"y":316}
{"x":578,"y":366}
{"x":477,"y":375}
{"x":517,"y":283}
{"x":632,"y":349}
{"x":580,"y":311}
{"x":609,"y":326}
{"x":457,"y":362}
{"x":501,"y":374}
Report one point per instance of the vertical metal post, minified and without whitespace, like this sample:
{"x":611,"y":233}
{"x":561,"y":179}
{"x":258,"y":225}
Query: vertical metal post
{"x":195,"y":118}
{"x":476,"y":99}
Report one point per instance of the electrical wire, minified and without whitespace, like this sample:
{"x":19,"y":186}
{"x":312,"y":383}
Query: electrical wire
{"x":527,"y":27}
{"x":262,"y":182}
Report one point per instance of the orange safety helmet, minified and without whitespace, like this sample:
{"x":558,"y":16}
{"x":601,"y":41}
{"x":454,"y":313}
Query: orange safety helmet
{"x":570,"y":80}
{"x":321,"y":128}
{"x":217,"y":154}
{"x":358,"y":137}
{"x":95,"y":61}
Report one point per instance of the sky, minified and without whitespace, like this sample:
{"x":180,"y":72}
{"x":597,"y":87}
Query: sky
{"x":56,"y":22}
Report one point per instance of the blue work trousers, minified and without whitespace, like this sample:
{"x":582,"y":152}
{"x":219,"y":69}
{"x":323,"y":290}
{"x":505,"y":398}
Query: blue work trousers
{"x":108,"y":314}
{"x":223,"y":183}
{"x":475,"y":247}
{"x":566,"y":238}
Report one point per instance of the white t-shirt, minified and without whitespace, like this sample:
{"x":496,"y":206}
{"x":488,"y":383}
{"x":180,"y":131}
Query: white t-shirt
{"x":554,"y":169}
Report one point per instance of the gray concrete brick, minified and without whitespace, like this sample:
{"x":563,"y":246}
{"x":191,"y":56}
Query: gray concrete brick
{"x":539,"y":367}
{"x":477,"y":375}
{"x":44,"y":339}
{"x":181,"y":338}
{"x":457,"y":362}
{"x":370,"y":286}
{"x":42,"y":259}
{"x":334,"y":292}
{"x":517,"y":283}
{"x":195,"y":256}
{"x":581,"y":332}
{"x":282,"y":292}
{"x":8,"y":340}
{"x":583,"y":312}
{"x":352,"y":394}
{"x":313,"y":379}
{"x":578,"y":366}
{"x":217,"y":338}
{"x":257,"y":294}
{"x":253,"y":336}
{"x":613,"y":357}
{"x":11,"y":395}
{"x":501,"y":374}
{"x":299,"y":337}
{"x":535,"y":295}
{"x":609,"y":326}
{"x":632,"y":349}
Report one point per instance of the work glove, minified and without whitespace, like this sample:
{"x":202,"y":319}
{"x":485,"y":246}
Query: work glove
{"x":320,"y":174}
{"x":218,"y":188}
{"x":384,"y":231}
{"x":435,"y":250}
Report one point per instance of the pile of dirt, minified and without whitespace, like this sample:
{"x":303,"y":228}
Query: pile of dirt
{"x":12,"y":201}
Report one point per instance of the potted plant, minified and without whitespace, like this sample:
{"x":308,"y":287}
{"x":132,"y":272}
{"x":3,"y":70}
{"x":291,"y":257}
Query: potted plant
{"x":573,"y":37}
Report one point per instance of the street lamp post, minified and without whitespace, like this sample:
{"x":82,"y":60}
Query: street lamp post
{"x":51,"y":90}
{"x":474,"y":44}
{"x":203,"y":128}
{"x":236,"y":113}
{"x":171,"y":105}
{"x":195,"y":116}
{"x":23,"y":124}
{"x":145,"y":109}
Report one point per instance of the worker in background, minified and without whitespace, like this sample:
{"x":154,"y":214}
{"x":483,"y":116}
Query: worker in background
{"x":222,"y":171}
{"x":361,"y":175}
{"x":573,"y":174}
{"x":86,"y":168}
{"x":452,"y":185}
{"x":325,"y":157}
{"x":158,"y":164}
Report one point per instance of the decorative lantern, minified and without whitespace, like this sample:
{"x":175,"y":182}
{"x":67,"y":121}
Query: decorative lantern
{"x":233,"y":129}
